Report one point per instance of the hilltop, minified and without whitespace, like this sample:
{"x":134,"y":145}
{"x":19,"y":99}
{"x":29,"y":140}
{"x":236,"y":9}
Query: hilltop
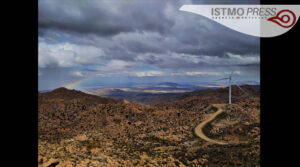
{"x":68,"y":95}
{"x":223,"y":92}
{"x":199,"y":99}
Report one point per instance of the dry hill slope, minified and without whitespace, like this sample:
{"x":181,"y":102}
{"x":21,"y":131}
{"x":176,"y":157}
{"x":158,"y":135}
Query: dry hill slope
{"x":76,"y":129}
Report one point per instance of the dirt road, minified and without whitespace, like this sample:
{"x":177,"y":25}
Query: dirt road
{"x":198,"y":129}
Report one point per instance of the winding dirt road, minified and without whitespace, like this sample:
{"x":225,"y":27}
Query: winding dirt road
{"x":198,"y":129}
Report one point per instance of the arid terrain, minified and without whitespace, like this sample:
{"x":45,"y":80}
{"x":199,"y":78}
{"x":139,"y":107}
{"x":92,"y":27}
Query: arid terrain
{"x":79,"y":129}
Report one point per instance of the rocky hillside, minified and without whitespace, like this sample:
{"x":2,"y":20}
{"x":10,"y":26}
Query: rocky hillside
{"x":72,"y":95}
{"x":77,"y":129}
{"x":200,"y":99}
{"x":63,"y":111}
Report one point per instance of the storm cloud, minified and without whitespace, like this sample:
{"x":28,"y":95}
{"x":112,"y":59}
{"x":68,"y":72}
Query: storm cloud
{"x":132,"y":36}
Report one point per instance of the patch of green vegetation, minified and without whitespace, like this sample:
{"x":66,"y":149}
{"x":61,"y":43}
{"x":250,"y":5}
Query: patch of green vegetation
{"x":207,"y":128}
{"x":221,"y":116}
{"x":177,"y":163}
{"x":213,"y":108}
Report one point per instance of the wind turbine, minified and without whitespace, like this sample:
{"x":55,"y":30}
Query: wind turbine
{"x":229,"y":85}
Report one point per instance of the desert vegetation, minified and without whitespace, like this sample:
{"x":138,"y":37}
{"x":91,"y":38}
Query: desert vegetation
{"x":77,"y":129}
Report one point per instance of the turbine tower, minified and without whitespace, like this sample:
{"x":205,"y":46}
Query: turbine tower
{"x":230,"y":81}
{"x":229,"y":85}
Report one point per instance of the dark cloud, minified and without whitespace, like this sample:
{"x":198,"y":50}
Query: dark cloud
{"x":140,"y":27}
{"x":103,"y":18}
{"x":126,"y":34}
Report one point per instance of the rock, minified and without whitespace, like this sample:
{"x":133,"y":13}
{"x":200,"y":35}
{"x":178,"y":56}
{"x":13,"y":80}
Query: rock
{"x":51,"y":163}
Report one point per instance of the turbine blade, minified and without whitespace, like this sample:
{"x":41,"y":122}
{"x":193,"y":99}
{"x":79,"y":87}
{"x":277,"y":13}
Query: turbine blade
{"x":222,"y":79}
{"x":231,"y":73}
{"x":240,"y":88}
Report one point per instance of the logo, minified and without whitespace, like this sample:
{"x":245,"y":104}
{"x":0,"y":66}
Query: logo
{"x":254,"y":20}
{"x":284,"y":18}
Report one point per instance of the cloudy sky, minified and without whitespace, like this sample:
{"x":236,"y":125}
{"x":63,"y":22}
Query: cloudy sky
{"x":121,"y":42}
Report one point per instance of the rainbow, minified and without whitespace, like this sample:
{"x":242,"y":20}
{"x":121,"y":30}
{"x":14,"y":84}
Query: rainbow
{"x":75,"y":83}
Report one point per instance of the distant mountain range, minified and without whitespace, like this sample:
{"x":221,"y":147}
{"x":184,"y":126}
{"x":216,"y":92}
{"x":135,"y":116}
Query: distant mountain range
{"x":154,"y":93}
{"x":44,"y":91}
{"x":160,"y":86}
{"x":149,"y":93}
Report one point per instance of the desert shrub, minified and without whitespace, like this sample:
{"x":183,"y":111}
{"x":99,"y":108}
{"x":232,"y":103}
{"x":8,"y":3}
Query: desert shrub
{"x":117,"y":121}
{"x":213,"y":108}
{"x":221,"y":116}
